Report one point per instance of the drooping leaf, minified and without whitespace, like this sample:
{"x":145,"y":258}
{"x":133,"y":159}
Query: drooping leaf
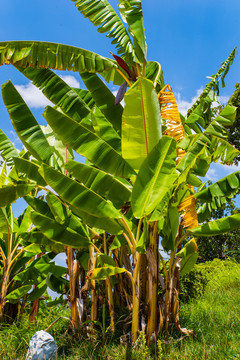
{"x":87,"y":144}
{"x":10,"y":194}
{"x":170,"y":229}
{"x":57,"y":91}
{"x":104,"y":129}
{"x":103,"y":272}
{"x":189,"y":256}
{"x":29,"y":169}
{"x":155,"y":177}
{"x":78,"y":195}
{"x":217,"y":194}
{"x":59,"y":233}
{"x":38,"y":291}
{"x":7,"y":150}
{"x":141,"y":128}
{"x":101,"y":223}
{"x":39,"y":54}
{"x":19,"y":292}
{"x":25,"y":124}
{"x":100,"y":182}
{"x":105,"y":260}
{"x":104,"y":99}
{"x":217,"y":227}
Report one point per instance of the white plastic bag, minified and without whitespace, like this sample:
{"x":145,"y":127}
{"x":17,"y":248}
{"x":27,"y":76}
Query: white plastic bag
{"x":42,"y":347}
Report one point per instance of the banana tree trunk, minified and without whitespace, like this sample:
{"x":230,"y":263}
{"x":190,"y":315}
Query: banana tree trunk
{"x":4,"y":285}
{"x":73,"y":272}
{"x":152,"y":255}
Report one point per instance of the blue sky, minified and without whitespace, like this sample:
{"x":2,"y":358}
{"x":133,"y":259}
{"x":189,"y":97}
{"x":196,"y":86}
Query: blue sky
{"x":189,"y":38}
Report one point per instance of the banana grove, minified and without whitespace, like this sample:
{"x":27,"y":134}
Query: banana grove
{"x":138,"y":187}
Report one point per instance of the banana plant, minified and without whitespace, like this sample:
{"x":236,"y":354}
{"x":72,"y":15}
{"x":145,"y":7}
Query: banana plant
{"x":143,"y":161}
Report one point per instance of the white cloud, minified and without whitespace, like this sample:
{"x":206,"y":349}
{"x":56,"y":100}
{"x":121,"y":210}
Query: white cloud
{"x":212,"y":175}
{"x":184,"y":105}
{"x":35,"y":98}
{"x":71,"y":80}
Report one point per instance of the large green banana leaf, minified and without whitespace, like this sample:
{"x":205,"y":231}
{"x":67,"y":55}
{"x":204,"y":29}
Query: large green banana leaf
{"x":59,"y":233}
{"x":141,"y":128}
{"x":88,"y":144}
{"x":64,"y":216}
{"x":10,"y":194}
{"x":30,"y":169}
{"x":39,"y":205}
{"x":217,"y":227}
{"x":78,"y":195}
{"x":57,"y":56}
{"x":217,"y":194}
{"x":100,"y":182}
{"x":60,"y":154}
{"x":131,"y":13}
{"x":25,"y":124}
{"x":104,"y":99}
{"x":101,"y":14}
{"x":101,"y":223}
{"x":104,"y":129}
{"x":155,"y":177}
{"x":35,"y":242}
{"x":86,"y":96}
{"x":57,"y":91}
{"x":7,"y":150}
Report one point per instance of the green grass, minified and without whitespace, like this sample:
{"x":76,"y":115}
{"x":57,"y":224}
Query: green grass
{"x":215,"y":318}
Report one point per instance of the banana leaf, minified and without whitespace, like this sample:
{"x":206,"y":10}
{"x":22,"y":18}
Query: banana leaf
{"x":131,"y":13}
{"x":29,"y":169}
{"x":103,"y":272}
{"x":100,"y":182}
{"x":25,"y":124}
{"x":40,"y":54}
{"x":57,"y":91}
{"x":141,"y":128}
{"x":217,"y":194}
{"x":213,"y":84}
{"x":104,"y":99}
{"x":78,"y":195}
{"x":217,"y":227}
{"x":155,"y":74}
{"x":155,"y":177}
{"x":7,"y":150}
{"x":59,"y":233}
{"x":101,"y":14}
{"x":10,"y":194}
{"x":188,"y":256}
{"x":87,"y":144}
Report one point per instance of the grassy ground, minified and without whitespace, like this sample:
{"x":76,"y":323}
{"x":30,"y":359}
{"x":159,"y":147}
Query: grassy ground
{"x":215,"y":318}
